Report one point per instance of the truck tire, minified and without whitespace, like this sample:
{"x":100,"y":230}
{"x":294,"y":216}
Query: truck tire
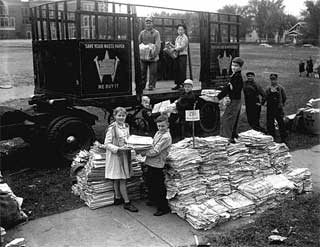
{"x":54,"y":121}
{"x":209,"y":117}
{"x":69,"y":135}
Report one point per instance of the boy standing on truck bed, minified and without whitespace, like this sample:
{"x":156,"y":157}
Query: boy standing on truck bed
{"x":150,"y":36}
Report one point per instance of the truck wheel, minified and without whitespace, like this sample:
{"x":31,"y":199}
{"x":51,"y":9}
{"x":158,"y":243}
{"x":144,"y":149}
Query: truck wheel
{"x":54,"y":121}
{"x":209,"y":117}
{"x":69,"y":135}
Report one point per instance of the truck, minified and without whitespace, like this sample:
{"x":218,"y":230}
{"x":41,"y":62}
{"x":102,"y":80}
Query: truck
{"x":86,"y":53}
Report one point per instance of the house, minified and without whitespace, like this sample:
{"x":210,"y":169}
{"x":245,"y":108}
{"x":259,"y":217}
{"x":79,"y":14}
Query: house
{"x":294,"y":33}
{"x":14,"y":20}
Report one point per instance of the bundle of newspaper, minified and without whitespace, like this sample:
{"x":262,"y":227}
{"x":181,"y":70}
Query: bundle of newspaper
{"x":94,"y":189}
{"x":261,"y":192}
{"x":238,"y":169}
{"x":238,"y":205}
{"x":147,"y":51}
{"x":214,"y":165}
{"x":206,"y":215}
{"x":280,"y":158}
{"x":140,"y":142}
{"x":301,"y":177}
{"x":282,"y":185}
{"x":255,"y":140}
{"x":182,"y":178}
{"x":210,"y":95}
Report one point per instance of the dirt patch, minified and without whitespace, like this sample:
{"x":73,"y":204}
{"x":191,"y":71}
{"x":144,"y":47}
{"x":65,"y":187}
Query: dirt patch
{"x":45,"y":191}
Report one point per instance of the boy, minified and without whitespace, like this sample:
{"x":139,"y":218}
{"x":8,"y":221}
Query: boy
{"x":149,"y":36}
{"x":275,"y":98}
{"x":155,"y":160}
{"x":146,"y":112}
{"x":185,"y":102}
{"x":229,"y":121}
{"x":252,"y":93}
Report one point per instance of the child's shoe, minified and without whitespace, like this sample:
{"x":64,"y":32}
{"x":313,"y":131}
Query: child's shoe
{"x":118,"y":201}
{"x":128,"y":206}
{"x":161,"y":212}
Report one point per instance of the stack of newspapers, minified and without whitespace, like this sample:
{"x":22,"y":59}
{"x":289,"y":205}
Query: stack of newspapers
{"x":216,"y":181}
{"x":94,"y":188}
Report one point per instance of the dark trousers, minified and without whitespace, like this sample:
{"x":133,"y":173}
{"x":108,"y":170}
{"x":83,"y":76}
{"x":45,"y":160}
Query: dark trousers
{"x":152,"y":73}
{"x":274,"y":113}
{"x":156,"y":188}
{"x":180,"y":69}
{"x":253,"y":116}
{"x":229,"y":120}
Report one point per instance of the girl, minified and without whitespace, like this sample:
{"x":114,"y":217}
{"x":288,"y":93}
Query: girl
{"x":118,"y":166}
{"x":181,"y":46}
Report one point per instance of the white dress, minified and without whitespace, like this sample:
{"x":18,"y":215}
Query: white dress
{"x":117,"y":163}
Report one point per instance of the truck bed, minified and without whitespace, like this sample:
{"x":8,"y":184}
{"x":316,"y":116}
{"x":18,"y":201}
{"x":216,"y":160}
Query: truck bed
{"x":162,"y":92}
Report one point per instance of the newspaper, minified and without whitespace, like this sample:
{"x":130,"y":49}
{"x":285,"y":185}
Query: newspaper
{"x":161,"y":107}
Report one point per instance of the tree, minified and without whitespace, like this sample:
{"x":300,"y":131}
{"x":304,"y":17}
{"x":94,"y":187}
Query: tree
{"x":268,"y":16}
{"x":311,"y":16}
{"x":245,"y":16}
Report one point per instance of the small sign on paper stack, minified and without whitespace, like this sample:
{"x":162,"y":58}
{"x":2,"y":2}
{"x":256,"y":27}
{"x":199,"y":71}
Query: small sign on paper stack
{"x":192,"y":115}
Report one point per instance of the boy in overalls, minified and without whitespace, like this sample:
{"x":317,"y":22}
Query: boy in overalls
{"x":275,"y":98}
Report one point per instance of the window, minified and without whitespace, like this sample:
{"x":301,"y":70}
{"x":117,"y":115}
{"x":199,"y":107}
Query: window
{"x":3,"y":8}
{"x":25,"y":12}
{"x":85,"y":21}
{"x":86,"y":33}
{"x":6,"y":22}
{"x":12,"y":22}
{"x":88,"y":6}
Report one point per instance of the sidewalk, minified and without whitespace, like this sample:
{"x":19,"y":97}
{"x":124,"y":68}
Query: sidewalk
{"x":309,"y":158}
{"x":114,"y":226}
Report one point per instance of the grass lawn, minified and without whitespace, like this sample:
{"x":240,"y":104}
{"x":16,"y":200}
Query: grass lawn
{"x":284,"y":61}
{"x":302,"y":214}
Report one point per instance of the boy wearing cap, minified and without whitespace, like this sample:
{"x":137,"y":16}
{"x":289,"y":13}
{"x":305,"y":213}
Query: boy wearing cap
{"x":149,"y":36}
{"x":229,"y":121}
{"x":185,"y":102}
{"x":252,"y":93}
{"x":275,"y":97}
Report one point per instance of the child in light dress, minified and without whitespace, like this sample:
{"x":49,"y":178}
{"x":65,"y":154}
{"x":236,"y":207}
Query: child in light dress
{"x":118,"y":167}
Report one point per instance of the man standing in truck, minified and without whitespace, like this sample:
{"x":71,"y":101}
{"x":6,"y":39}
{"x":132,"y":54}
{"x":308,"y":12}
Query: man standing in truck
{"x":150,"y":44}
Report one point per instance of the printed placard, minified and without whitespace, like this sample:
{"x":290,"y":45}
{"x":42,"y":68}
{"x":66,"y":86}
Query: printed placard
{"x":192,"y":115}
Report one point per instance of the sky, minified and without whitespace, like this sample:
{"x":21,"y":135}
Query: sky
{"x":293,"y":7}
